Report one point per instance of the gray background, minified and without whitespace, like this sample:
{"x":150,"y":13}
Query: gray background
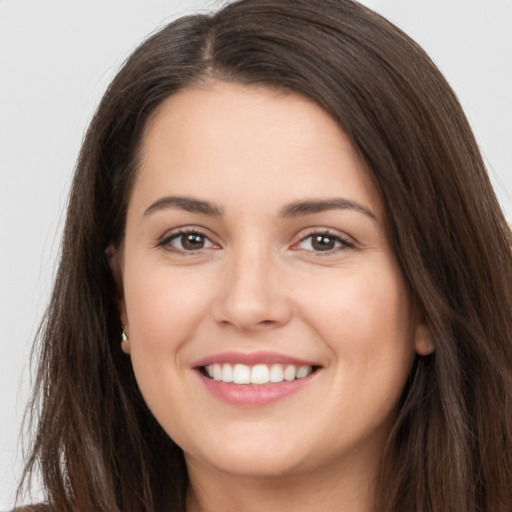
{"x":56,"y":59}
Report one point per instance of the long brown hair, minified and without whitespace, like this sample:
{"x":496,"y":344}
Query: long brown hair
{"x":98,"y":447}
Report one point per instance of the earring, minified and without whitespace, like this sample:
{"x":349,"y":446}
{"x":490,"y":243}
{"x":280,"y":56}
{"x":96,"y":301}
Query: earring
{"x":125,"y":345}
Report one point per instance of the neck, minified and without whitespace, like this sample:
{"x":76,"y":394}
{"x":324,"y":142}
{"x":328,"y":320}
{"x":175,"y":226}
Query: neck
{"x":343,"y":488}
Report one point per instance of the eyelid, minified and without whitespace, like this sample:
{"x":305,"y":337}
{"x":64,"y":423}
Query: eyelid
{"x":165,"y":239}
{"x":346,"y":241}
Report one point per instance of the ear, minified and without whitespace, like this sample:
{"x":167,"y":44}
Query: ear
{"x":423,"y":342}
{"x":114,"y":257}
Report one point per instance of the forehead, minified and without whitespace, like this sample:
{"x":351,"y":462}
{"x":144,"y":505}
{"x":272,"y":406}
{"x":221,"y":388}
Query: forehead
{"x":248,"y":142}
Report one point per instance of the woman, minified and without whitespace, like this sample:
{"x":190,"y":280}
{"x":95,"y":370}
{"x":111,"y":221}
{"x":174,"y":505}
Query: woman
{"x":285,"y":280}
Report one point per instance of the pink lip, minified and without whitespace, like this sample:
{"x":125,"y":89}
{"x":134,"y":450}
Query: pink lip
{"x":249,"y":395}
{"x":251,"y":359}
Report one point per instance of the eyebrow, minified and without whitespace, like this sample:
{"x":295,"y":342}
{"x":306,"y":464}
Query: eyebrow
{"x":310,"y":207}
{"x":187,"y":204}
{"x":293,"y":210}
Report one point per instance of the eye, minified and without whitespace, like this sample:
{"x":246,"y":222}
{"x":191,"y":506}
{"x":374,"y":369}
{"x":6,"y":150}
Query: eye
{"x":324,"y":242}
{"x":187,"y":241}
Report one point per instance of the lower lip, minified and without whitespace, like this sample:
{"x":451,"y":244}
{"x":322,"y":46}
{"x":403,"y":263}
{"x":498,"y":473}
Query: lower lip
{"x":247,"y":395}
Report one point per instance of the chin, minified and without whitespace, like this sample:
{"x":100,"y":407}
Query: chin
{"x":254,"y":456}
{"x":262,"y":465}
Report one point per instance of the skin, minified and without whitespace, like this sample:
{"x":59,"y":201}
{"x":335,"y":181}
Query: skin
{"x":258,"y":283}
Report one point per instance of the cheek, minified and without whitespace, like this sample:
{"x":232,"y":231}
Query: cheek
{"x":357,"y":302}
{"x":163,"y":310}
{"x":163,"y":307}
{"x":365,"y":320}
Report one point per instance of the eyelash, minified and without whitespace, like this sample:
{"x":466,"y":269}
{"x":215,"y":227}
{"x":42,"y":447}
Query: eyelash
{"x":166,"y":241}
{"x":344,"y":242}
{"x":336,"y":237}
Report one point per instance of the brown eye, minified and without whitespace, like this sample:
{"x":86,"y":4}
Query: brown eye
{"x":192,"y":241}
{"x":324,"y":242}
{"x":187,"y":242}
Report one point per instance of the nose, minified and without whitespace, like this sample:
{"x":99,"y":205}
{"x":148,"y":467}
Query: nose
{"x":252,"y":296}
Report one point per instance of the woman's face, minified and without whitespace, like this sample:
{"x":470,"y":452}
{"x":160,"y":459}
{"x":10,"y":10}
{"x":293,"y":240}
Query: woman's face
{"x":256,"y":250}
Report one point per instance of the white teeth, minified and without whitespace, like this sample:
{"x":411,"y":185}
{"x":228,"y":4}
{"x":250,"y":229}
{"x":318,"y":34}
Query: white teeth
{"x":257,"y":374}
{"x":303,"y":371}
{"x":276,"y":373}
{"x":227,"y":373}
{"x":289,"y":372}
{"x":217,"y":371}
{"x":260,"y":374}
{"x":241,"y":374}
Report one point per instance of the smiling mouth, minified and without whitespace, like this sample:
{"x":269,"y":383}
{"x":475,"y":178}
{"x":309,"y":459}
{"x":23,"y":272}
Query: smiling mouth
{"x":259,"y":374}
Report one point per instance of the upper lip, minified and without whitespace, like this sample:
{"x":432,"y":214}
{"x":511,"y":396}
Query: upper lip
{"x":251,"y":359}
